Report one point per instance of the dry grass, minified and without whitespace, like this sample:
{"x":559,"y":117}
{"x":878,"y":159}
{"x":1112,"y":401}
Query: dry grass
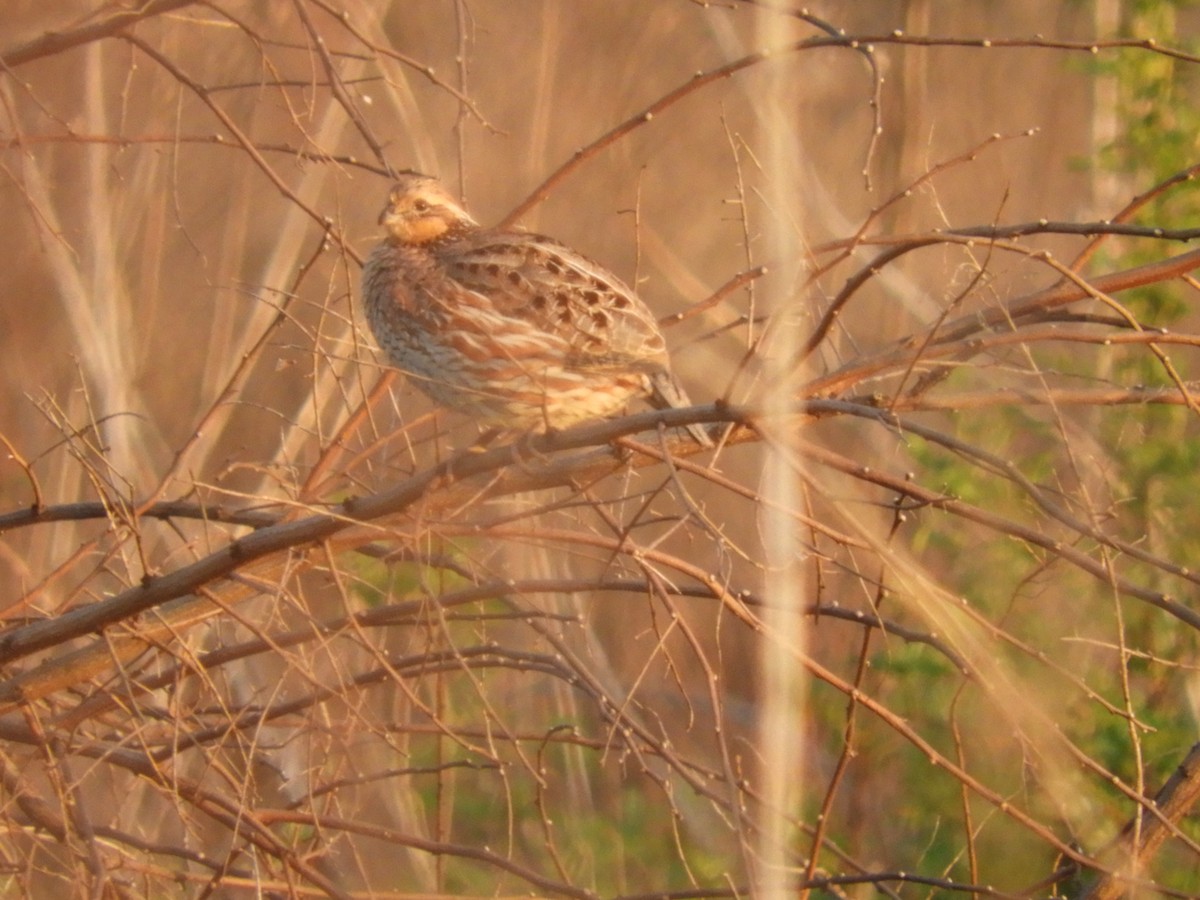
{"x":921,"y":620}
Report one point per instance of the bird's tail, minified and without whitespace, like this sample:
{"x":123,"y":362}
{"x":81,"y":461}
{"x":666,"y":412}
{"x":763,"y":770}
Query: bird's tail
{"x":667,"y":393}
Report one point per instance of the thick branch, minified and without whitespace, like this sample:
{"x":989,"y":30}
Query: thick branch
{"x":53,"y":42}
{"x":1138,"y":845}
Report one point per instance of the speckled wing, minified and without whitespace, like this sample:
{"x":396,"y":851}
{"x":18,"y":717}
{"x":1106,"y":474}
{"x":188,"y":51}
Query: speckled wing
{"x":537,"y":279}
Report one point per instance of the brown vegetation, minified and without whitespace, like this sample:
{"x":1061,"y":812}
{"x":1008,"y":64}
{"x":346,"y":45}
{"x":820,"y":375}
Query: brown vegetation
{"x":923,"y":619}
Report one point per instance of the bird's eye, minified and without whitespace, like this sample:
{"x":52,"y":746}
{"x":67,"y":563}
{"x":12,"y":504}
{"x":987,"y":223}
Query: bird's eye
{"x":421,"y":205}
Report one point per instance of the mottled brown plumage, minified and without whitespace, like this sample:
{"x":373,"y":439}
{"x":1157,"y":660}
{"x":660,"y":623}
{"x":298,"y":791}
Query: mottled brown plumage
{"x":514,"y":328}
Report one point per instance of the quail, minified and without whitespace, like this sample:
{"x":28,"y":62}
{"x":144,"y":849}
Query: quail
{"x":513,"y":328}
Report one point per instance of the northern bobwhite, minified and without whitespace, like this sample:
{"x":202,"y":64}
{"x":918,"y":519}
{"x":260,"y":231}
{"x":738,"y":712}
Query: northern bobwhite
{"x":514,"y":328}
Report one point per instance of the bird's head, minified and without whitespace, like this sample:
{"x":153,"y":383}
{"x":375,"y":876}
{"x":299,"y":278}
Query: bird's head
{"x":420,"y":210}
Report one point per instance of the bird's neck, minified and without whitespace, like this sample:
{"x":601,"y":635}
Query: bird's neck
{"x":431,"y":235}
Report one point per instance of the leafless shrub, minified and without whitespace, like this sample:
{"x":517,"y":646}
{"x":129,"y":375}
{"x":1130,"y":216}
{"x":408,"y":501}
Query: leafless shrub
{"x":274,"y":626}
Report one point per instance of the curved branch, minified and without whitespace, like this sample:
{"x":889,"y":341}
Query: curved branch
{"x":51,"y":43}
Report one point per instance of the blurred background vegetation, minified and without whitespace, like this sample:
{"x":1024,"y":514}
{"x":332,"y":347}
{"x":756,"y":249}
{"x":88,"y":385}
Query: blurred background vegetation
{"x":924,"y":624}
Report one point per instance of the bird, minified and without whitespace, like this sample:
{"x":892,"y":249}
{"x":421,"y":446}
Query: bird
{"x":513,"y":328}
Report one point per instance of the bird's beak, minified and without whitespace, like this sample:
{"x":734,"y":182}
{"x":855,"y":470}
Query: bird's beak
{"x":464,"y":215}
